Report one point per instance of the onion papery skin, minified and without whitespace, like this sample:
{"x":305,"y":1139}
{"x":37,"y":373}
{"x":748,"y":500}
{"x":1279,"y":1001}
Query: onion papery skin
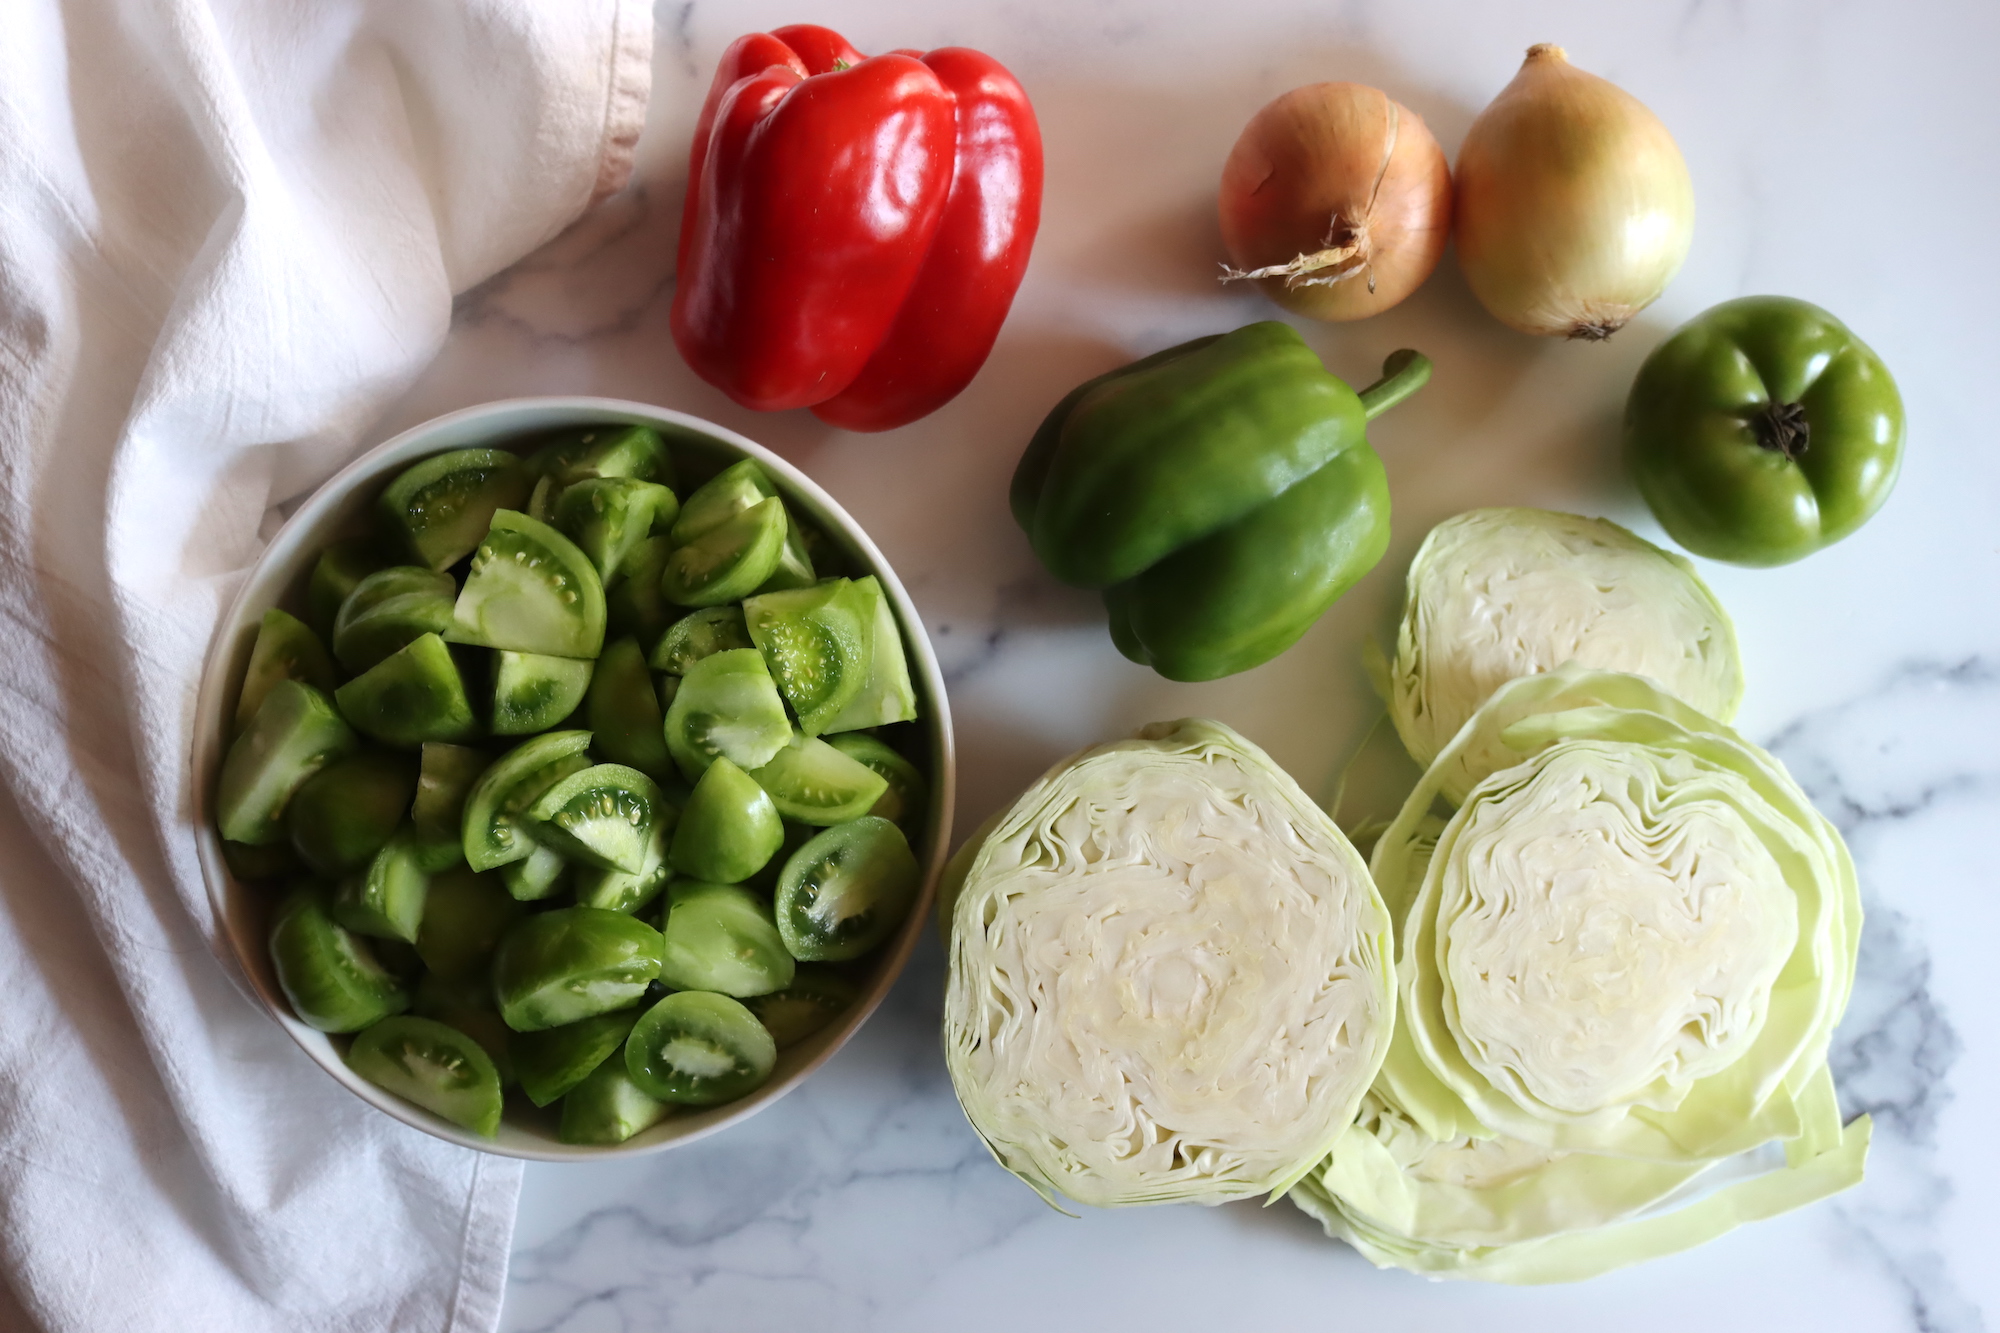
{"x":1337,"y":165}
{"x":1170,"y":975}
{"x":1574,"y":208}
{"x":1494,"y":594}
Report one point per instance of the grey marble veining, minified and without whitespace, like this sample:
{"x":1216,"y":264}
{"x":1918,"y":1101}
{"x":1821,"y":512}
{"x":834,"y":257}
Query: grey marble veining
{"x":863,"y":1201}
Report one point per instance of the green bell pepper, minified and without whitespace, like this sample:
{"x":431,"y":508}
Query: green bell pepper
{"x":1222,"y":494}
{"x":1763,"y":430}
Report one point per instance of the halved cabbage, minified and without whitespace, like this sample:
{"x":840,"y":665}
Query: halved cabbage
{"x":1494,"y":594}
{"x":1620,"y":963}
{"x":1170,"y":975}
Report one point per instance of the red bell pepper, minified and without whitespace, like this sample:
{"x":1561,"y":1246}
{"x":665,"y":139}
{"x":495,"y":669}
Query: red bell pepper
{"x":855,"y":226}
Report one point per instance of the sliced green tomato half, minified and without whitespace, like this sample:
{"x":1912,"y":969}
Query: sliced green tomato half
{"x":446,"y":774}
{"x":607,"y":1107}
{"x":388,"y":609}
{"x":604,"y":451}
{"x":813,"y":783}
{"x":722,"y":497}
{"x":413,"y":695}
{"x":698,"y":1048}
{"x":623,"y":710}
{"x":533,"y":692}
{"x":387,"y":899}
{"x":907,"y":795}
{"x":726,"y":706}
{"x":730,"y":829}
{"x":816,"y":643}
{"x":467,"y":1004}
{"x":343,"y":814}
{"x":603,"y":816}
{"x":540,"y":874}
{"x":466,"y":915}
{"x":729,"y":561}
{"x":720,"y":937}
{"x":552,"y":1061}
{"x":327,"y":972}
{"x":816,"y":996}
{"x":633,"y":602}
{"x":441,"y":507}
{"x":498,"y":803}
{"x":295,"y":733}
{"x":435,"y":1066}
{"x":564,"y":966}
{"x":885,"y":695}
{"x":609,"y":516}
{"x":699,"y":634}
{"x":339,"y":569}
{"x":619,"y":891}
{"x":846,"y":891}
{"x":286,"y":649}
{"x":531,"y":591}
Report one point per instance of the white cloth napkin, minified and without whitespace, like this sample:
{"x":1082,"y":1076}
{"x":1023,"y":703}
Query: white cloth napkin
{"x":230,"y":231}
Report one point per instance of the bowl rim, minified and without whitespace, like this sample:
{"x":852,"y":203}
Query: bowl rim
{"x":279,"y":568}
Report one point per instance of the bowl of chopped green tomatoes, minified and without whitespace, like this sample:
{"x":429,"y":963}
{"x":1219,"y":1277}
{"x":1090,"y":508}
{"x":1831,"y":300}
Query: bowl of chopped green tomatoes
{"x":573,"y":777}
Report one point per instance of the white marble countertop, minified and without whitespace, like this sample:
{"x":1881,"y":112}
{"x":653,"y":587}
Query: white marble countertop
{"x":1841,"y":152}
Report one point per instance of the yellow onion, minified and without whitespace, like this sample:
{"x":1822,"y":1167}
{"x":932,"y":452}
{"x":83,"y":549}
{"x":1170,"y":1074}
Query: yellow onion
{"x":1574,"y":206}
{"x":1337,"y":200}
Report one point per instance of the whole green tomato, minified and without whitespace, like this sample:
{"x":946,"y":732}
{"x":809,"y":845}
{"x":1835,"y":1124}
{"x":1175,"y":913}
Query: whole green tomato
{"x":1762,"y":431}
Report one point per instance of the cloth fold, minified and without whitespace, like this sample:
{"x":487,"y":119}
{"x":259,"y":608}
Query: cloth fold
{"x":230,"y":232}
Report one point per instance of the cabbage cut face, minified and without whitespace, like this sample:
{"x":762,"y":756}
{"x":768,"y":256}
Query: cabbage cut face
{"x":1170,"y":975}
{"x":1494,"y":594}
{"x":1620,"y":965}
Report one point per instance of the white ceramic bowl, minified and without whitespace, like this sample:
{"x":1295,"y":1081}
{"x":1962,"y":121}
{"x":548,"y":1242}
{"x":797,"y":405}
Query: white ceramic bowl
{"x":337,"y":509}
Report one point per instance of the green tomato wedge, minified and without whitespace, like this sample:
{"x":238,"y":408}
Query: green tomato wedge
{"x":446,"y":774}
{"x":726,"y":706}
{"x":467,"y":1004}
{"x":554,"y":1060}
{"x":465,"y":916}
{"x":729,"y":561}
{"x":387,"y":899}
{"x":795,"y":565}
{"x":608,"y":1107}
{"x":633,"y":602}
{"x":816,"y":996}
{"x":433,"y":1065}
{"x":413,"y":695}
{"x":533,"y":692}
{"x":608,"y":516}
{"x":816,"y":642}
{"x":603,"y":816}
{"x":722,"y":497}
{"x":564,"y":966}
{"x":846,"y":891}
{"x":907,"y":795}
{"x":813,"y":783}
{"x":885,"y":695}
{"x":343,"y":814}
{"x":530,"y":590}
{"x":497,"y":806}
{"x":542,"y":500}
{"x":339,"y":569}
{"x":730,"y":828}
{"x":327,"y":973}
{"x":389,"y":609}
{"x":617,"y":891}
{"x":604,"y":451}
{"x":699,"y":634}
{"x":698,"y":1048}
{"x":295,"y":733}
{"x":623,"y":711}
{"x":540,"y":874}
{"x":441,"y":507}
{"x":720,"y":937}
{"x":250,"y":864}
{"x":286,"y":649}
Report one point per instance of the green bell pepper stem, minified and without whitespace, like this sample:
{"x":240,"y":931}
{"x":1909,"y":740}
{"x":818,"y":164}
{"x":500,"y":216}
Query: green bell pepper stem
{"x":1404,"y":373}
